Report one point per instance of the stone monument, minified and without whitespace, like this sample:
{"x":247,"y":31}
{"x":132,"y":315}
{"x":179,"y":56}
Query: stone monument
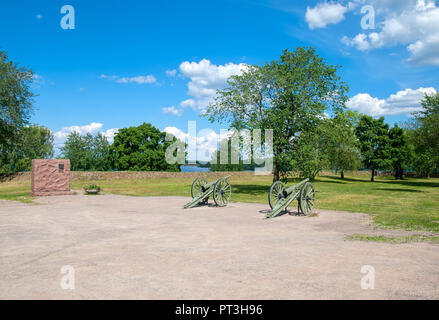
{"x":50,"y":177}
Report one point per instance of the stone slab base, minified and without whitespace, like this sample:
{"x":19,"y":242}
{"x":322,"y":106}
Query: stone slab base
{"x":51,"y":193}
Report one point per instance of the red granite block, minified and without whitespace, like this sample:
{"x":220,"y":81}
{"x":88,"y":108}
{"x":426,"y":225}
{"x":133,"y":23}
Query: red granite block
{"x":50,"y":177}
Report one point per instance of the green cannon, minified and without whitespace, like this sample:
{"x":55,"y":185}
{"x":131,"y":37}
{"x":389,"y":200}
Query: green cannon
{"x":280,"y":197}
{"x":201,"y":191}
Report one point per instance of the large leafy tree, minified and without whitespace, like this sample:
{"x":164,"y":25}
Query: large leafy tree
{"x":331,"y":144}
{"x":15,"y":110}
{"x":102,"y":157}
{"x":75,"y":149}
{"x":141,"y":148}
{"x":400,"y":151}
{"x":87,"y":153}
{"x":373,"y":136}
{"x":288,"y":95}
{"x":31,"y":142}
{"x":15,"y":100}
{"x":424,"y":135}
{"x":342,"y":146}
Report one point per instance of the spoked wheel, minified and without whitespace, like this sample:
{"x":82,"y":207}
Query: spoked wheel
{"x":275,"y":193}
{"x":307,"y":198}
{"x":198,"y":187}
{"x":222,"y":191}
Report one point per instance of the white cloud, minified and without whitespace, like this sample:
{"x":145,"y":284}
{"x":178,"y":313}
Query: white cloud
{"x":411,"y":23}
{"x":136,"y":79}
{"x":109,"y":134}
{"x":388,"y":6}
{"x":171,"y":73}
{"x":359,"y":41}
{"x":206,"y":141}
{"x":38,"y":81}
{"x":104,"y":76}
{"x":425,"y":52}
{"x":205,"y":79}
{"x":325,"y":13}
{"x":92,"y":128}
{"x":188,"y":103}
{"x":39,"y":16}
{"x":173,"y":110}
{"x":402,"y":102}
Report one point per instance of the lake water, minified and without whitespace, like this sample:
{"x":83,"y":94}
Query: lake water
{"x":193,"y":169}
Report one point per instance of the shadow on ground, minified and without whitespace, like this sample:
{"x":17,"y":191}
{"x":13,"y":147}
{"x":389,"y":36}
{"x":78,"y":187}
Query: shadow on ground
{"x":401,"y":182}
{"x":397,"y":190}
{"x":250,"y":189}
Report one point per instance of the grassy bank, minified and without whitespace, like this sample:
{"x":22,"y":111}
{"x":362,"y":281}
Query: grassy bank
{"x":393,"y":239}
{"x":411,"y":204}
{"x":16,"y":191}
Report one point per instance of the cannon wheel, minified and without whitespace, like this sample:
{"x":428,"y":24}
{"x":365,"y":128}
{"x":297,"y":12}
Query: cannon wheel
{"x":197,"y":188}
{"x":222,"y":191}
{"x":275,"y":193}
{"x":307,"y":198}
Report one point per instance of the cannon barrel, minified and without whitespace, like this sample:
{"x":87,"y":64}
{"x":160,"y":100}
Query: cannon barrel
{"x":293,"y":188}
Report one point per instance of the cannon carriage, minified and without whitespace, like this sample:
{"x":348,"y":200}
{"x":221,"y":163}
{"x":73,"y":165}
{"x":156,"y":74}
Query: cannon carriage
{"x":201,"y":190}
{"x":280,"y":197}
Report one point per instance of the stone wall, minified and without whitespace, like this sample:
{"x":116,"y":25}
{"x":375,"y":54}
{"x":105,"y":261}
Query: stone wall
{"x":134,"y":175}
{"x":118,"y":175}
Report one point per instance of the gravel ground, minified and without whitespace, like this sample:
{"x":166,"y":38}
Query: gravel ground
{"x":150,"y":248}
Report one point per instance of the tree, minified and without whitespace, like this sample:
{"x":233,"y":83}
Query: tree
{"x":424,"y":135}
{"x":373,"y":136}
{"x":141,"y":148}
{"x":216,"y":163}
{"x":288,"y":95}
{"x":309,"y":155}
{"x":15,"y":109}
{"x":400,"y":151}
{"x":36,"y":142}
{"x":87,"y":153}
{"x":331,"y":144}
{"x":75,"y":149}
{"x":15,"y":99}
{"x":31,"y":142}
{"x":102,"y":158}
{"x":341,"y":146}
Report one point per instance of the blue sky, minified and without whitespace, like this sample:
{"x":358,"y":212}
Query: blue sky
{"x":128,"y":62}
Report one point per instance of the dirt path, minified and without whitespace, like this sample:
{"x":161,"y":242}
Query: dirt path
{"x":150,"y":248}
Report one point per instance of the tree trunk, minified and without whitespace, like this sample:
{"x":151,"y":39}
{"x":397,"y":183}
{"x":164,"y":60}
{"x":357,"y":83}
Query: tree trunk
{"x":342,"y":174}
{"x":401,"y":173}
{"x":372,"y":178}
{"x":276,"y":172}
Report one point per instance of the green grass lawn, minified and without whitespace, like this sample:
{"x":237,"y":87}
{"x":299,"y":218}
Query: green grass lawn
{"x":393,"y":239}
{"x":16,"y":191}
{"x":411,"y":204}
